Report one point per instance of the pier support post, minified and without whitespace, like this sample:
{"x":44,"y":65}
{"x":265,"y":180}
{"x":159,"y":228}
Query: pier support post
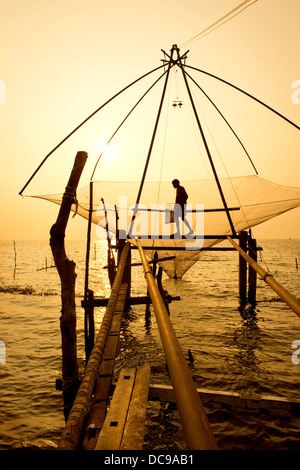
{"x":66,"y":271}
{"x":127,"y":271}
{"x":243,"y":269}
{"x":89,"y":323}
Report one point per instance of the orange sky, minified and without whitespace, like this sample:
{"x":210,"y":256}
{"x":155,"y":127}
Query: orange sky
{"x":60,"y":60}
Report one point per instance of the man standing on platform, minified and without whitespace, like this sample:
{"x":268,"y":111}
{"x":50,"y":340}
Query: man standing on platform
{"x":179,"y":210}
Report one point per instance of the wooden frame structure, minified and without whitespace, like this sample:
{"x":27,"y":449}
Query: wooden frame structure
{"x":95,"y":388}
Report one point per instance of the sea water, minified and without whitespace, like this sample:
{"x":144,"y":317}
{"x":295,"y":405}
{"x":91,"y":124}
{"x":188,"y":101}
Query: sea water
{"x":235,"y":350}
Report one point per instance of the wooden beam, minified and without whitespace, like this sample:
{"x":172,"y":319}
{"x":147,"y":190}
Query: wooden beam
{"x":134,"y":300}
{"x":100,"y":399}
{"x":252,"y":275}
{"x":277,"y":406}
{"x":133,"y":436}
{"x":124,"y":424}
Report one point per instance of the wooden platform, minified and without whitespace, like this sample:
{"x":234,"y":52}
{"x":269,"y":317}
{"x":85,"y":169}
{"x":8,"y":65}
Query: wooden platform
{"x":123,"y":428}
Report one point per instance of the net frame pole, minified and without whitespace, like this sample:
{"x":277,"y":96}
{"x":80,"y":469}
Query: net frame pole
{"x":196,"y":427}
{"x":83,"y":122}
{"x":206,"y":144}
{"x":170,"y":65}
{"x":88,"y":313}
{"x":246,"y":94}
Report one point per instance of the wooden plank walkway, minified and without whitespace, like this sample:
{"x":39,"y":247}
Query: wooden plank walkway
{"x":103,"y":384}
{"x":124,"y":425}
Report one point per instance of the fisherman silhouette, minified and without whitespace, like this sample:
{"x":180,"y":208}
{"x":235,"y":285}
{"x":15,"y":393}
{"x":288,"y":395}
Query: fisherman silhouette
{"x":179,"y":210}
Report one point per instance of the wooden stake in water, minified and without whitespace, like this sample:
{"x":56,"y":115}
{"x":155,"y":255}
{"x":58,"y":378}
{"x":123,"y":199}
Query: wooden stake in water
{"x":15,"y":268}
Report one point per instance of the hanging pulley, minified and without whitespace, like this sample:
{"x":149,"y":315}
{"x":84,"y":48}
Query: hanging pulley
{"x":176,"y":103}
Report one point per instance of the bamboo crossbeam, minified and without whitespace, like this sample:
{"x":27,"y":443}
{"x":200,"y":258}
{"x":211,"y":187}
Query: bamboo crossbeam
{"x":183,"y":248}
{"x":288,"y":298}
{"x":133,"y":300}
{"x":71,"y":434}
{"x":275,"y":406}
{"x":196,"y":427}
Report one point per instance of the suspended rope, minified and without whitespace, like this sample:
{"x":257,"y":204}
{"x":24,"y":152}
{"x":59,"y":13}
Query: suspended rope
{"x":245,"y":93}
{"x":232,"y":130}
{"x":171,"y":64}
{"x":125,"y":119}
{"x":206,"y":145}
{"x":236,"y":11}
{"x":83,"y":122}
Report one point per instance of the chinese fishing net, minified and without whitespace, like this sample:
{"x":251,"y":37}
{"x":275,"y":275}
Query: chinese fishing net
{"x":250,"y":200}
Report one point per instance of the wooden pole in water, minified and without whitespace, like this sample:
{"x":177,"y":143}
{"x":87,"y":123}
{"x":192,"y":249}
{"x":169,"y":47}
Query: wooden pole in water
{"x":252,"y":275}
{"x":243,"y":269}
{"x":66,"y":271}
{"x":288,"y":298}
{"x":88,"y":311}
{"x":127,"y":272}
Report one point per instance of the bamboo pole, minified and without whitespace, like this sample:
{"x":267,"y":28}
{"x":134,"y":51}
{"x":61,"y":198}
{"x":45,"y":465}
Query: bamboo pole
{"x":88,"y":334}
{"x":196,"y":427}
{"x":243,"y":268}
{"x":71,"y":434}
{"x":252,"y":275}
{"x":289,"y":299}
{"x":66,"y":271}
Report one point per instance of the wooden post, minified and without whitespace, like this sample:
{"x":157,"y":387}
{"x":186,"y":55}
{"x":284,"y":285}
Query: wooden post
{"x":161,"y":289}
{"x":243,"y":269}
{"x":252,"y":273}
{"x":127,"y":273}
{"x":87,"y":310}
{"x":147,"y":311}
{"x":90,"y":326}
{"x":66,"y":271}
{"x":196,"y":427}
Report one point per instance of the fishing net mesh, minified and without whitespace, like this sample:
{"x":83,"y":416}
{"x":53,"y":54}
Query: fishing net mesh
{"x":251,"y":200}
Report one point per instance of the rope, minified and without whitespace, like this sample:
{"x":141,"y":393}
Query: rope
{"x":162,"y":161}
{"x":83,"y":122}
{"x":230,"y":127}
{"x":125,"y":119}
